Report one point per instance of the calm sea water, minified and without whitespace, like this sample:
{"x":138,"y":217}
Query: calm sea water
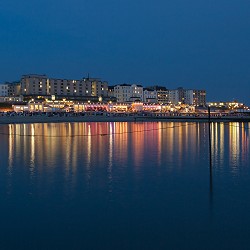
{"x":124,"y":186}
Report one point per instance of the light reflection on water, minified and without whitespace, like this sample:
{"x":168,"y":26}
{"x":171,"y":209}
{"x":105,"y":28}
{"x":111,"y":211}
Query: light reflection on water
{"x":40,"y":145}
{"x":149,"y":175}
{"x":230,"y":145}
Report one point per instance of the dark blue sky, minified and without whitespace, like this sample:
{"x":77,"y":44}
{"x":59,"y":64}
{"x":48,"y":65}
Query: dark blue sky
{"x":191,"y":43}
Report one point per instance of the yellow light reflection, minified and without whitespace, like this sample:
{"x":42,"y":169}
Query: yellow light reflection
{"x":121,"y":144}
{"x":110,"y":152}
{"x":234,"y":144}
{"x":32,"y":151}
{"x":11,"y":150}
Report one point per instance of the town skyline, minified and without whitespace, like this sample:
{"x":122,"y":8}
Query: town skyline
{"x":210,"y":97}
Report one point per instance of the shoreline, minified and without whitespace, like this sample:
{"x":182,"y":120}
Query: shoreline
{"x":55,"y":119}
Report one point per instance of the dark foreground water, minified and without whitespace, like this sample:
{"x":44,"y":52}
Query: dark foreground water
{"x":124,"y":186}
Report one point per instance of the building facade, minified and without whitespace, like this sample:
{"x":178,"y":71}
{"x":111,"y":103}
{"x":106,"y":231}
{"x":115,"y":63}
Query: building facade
{"x":14,"y":88}
{"x":162,"y":94}
{"x":3,"y":89}
{"x":44,"y":86}
{"x":149,"y":95}
{"x":34,"y":84}
{"x":188,"y":96}
{"x":199,"y":97}
{"x":128,"y":93}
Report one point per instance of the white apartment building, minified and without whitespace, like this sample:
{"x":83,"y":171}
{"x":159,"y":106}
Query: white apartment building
{"x":173,"y":96}
{"x":3,"y":89}
{"x":10,"y":91}
{"x":42,"y":85}
{"x":149,"y":95}
{"x":188,"y":97}
{"x":128,"y":93}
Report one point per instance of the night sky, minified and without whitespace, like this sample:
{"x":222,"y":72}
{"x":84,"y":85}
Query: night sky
{"x":201,"y":44}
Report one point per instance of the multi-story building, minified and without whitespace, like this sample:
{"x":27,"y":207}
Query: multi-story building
{"x":94,"y":89}
{"x":14,"y":88}
{"x":173,"y":96}
{"x":63,"y":87}
{"x":44,"y":86}
{"x":162,"y":94}
{"x":98,"y":87}
{"x":34,"y":84}
{"x":149,"y":95}
{"x":194,"y":97}
{"x":111,"y":92}
{"x":188,"y":96}
{"x":10,"y":92}
{"x":199,"y":97}
{"x":128,"y":92}
{"x":3,"y":89}
{"x":177,"y":95}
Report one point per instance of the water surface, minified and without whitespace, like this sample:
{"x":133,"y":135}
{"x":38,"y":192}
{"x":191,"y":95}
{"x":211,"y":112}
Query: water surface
{"x":124,"y":186}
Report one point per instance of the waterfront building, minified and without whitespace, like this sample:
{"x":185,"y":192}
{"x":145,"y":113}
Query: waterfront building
{"x":20,"y":108}
{"x":199,"y":97}
{"x":177,"y":96}
{"x":111,"y":95}
{"x":227,"y":105}
{"x":119,"y":107}
{"x":14,"y":88}
{"x":94,"y":90}
{"x":10,"y":89}
{"x":152,"y":107}
{"x":188,"y":96}
{"x":194,"y":97}
{"x":41,"y":85}
{"x":11,"y":99}
{"x":111,"y":92}
{"x":149,"y":95}
{"x":36,"y":106}
{"x":98,"y":87}
{"x":34,"y":85}
{"x":128,"y":92}
{"x":3,"y":89}
{"x":162,"y":94}
{"x":64,"y":87}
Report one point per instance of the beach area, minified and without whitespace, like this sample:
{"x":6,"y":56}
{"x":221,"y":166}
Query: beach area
{"x":59,"y":118}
